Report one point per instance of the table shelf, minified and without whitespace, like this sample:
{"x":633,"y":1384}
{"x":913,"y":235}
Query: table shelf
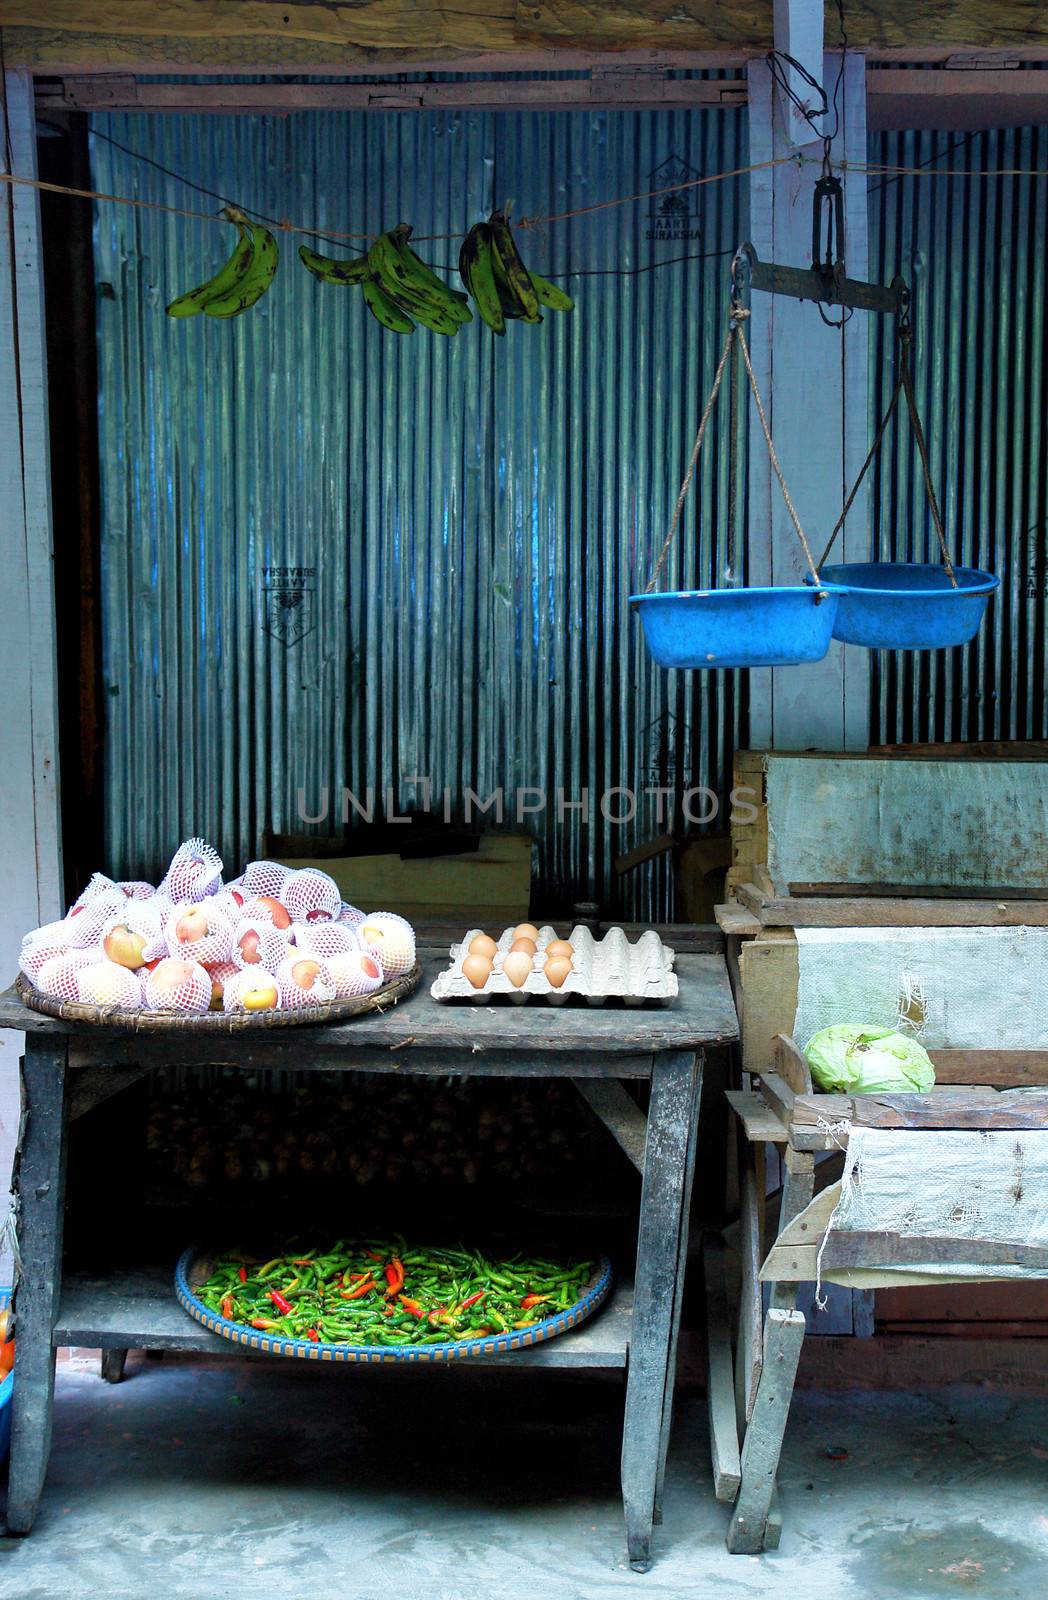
{"x":137,"y":1310}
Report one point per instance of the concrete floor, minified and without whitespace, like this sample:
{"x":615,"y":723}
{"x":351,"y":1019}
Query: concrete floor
{"x":256,"y":1480}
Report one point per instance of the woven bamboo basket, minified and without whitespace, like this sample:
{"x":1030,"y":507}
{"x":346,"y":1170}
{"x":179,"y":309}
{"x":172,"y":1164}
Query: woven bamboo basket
{"x":331,"y":1012}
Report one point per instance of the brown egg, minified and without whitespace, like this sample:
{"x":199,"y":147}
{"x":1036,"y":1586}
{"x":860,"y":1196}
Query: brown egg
{"x":559,"y":947}
{"x":483,"y":945}
{"x":477,"y":968}
{"x":517,"y":967}
{"x":527,"y":945}
{"x":557,"y":969}
{"x":525,"y":930}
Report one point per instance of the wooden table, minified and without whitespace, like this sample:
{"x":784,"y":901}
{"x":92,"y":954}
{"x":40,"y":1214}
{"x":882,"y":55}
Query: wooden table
{"x":69,"y":1067}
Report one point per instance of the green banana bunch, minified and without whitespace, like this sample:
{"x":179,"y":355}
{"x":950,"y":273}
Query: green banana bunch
{"x":243,"y":279}
{"x":412,"y":287}
{"x":493,"y":271}
{"x":328,"y":270}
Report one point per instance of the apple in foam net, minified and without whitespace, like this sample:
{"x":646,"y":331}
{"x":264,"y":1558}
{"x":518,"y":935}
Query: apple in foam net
{"x":249,"y":946}
{"x":124,"y":946}
{"x":305,"y":973}
{"x":277,"y":912}
{"x":192,"y":925}
{"x":260,"y":995}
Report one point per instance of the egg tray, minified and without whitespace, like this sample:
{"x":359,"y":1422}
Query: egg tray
{"x":603,"y":969}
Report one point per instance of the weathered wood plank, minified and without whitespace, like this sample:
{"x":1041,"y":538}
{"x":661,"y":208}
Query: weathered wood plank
{"x":720,"y":1382}
{"x":959,"y":1108}
{"x":769,"y":976}
{"x":702,"y":1014}
{"x":94,"y":1086}
{"x":783,"y":1337}
{"x":858,"y":1248}
{"x":136,"y":1309}
{"x":839,"y":911}
{"x":779,"y":1096}
{"x":757,"y":1117}
{"x":735,"y":920}
{"x":657,"y":1308}
{"x":792,"y":1064}
{"x":748,"y":1350}
{"x":1005,"y":1069}
{"x":619,"y":1113}
{"x":39,"y":1190}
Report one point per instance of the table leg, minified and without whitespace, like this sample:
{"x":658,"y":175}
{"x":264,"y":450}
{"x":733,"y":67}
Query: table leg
{"x":112,"y":1365}
{"x":39,"y":1186}
{"x":656,"y":1312}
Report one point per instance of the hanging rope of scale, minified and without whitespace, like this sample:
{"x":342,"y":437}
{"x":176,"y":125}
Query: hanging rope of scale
{"x":735,"y":341}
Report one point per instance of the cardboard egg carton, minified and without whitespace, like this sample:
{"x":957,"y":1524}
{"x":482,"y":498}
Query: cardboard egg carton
{"x":602,"y":969}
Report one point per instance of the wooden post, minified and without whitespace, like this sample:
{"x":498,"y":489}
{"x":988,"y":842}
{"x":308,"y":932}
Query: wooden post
{"x":813,"y":379}
{"x":31,"y":859}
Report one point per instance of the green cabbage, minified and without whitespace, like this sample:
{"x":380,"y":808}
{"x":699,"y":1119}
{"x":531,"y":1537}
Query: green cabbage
{"x":851,"y":1059}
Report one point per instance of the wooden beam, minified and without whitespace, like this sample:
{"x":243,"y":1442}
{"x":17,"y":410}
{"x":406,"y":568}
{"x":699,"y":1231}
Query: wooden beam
{"x":617,"y":89}
{"x":327,"y":36}
{"x":841,"y":911}
{"x":619,"y":1113}
{"x":799,"y":33}
{"x":720,"y":1389}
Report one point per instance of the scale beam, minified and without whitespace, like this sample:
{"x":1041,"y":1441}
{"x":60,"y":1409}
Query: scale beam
{"x":802,"y":283}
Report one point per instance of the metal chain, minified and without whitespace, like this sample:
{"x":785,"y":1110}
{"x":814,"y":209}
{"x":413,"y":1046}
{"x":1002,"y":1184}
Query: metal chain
{"x":790,"y":507}
{"x":686,"y":485}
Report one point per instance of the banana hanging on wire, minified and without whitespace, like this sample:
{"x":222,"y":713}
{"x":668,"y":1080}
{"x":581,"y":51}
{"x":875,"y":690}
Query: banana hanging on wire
{"x":261,"y":270}
{"x":413,"y":286}
{"x":384,"y":308}
{"x":477,"y":271}
{"x":328,"y":270}
{"x":493,"y":271}
{"x":227,"y":279}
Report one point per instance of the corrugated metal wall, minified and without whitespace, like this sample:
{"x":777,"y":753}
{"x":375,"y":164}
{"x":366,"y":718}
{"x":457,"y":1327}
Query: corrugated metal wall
{"x":473,"y":512}
{"x":973,"y":251}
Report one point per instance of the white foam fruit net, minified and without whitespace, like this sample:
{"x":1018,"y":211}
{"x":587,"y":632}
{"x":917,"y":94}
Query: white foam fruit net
{"x":195,"y":871}
{"x":293,"y":993}
{"x":391,"y":939}
{"x":350,"y":914}
{"x":242,"y":984}
{"x":267,"y":949}
{"x":324,"y":938}
{"x":214,"y":942}
{"x":106,"y":984}
{"x":177,"y":985}
{"x":311,"y":896}
{"x":355,"y":972}
{"x":137,"y":888}
{"x":144,"y":918}
{"x":263,"y":877}
{"x":86,"y":918}
{"x":220,"y":973}
{"x":57,"y":977}
{"x":98,"y":884}
{"x":41,"y":946}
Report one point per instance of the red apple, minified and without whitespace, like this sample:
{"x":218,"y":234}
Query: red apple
{"x":192,"y":925}
{"x":124,"y":946}
{"x":279,"y":913}
{"x":249,"y":943}
{"x":305,"y":973}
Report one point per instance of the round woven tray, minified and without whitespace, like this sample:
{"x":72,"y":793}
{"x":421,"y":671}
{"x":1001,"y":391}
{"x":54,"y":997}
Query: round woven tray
{"x":194,"y":1268}
{"x":331,"y":1012}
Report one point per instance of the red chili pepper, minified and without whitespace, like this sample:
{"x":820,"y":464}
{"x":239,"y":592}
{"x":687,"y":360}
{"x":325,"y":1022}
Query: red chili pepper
{"x":262,"y":1322}
{"x":436,"y":1314}
{"x":306,"y":1261}
{"x":530,"y":1300}
{"x":227,"y":1308}
{"x":282,"y":1304}
{"x":358,"y":1290}
{"x":311,"y":1333}
{"x":243,"y":1274}
{"x":473,"y":1300}
{"x":416,"y":1309}
{"x":372,"y":1254}
{"x":394,"y":1275}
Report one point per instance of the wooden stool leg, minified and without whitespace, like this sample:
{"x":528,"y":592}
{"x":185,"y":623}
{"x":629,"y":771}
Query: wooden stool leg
{"x":748,"y":1529}
{"x":39,"y":1185}
{"x":112,"y":1366}
{"x":664,"y":1200}
{"x":720,"y":1384}
{"x":748,"y":1352}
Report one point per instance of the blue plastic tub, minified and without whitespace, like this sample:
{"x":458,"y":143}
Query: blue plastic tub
{"x":908,"y":605}
{"x":738,"y":627}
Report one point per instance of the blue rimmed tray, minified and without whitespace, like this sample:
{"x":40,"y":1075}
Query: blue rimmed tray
{"x":194,"y":1268}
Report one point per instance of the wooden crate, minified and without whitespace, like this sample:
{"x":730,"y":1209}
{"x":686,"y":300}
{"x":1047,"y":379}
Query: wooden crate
{"x":892,"y":838}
